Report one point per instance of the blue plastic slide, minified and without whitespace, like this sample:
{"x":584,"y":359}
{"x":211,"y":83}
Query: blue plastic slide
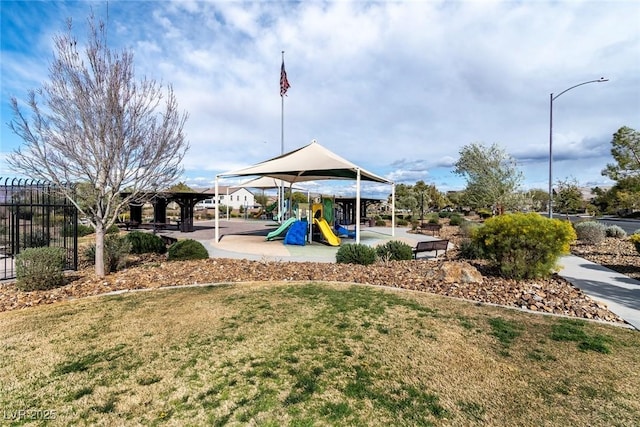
{"x":345,"y":232}
{"x":297,"y":234}
{"x":280,"y":231}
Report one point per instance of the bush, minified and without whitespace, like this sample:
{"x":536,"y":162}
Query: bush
{"x":590,"y":231}
{"x":356,"y":253}
{"x":402,"y":222}
{"x":455,"y":219}
{"x":144,"y":243}
{"x":524,"y":246}
{"x":40,"y":268}
{"x":615,"y":231}
{"x":84,"y":230}
{"x":116,"y":249}
{"x":433,"y":219}
{"x":381,"y":223}
{"x":467,"y":228}
{"x":485,"y":213}
{"x":469,"y":249}
{"x":394,"y":250}
{"x":187,"y":249}
{"x":635,"y":239}
{"x":35,"y":239}
{"x":113,"y":229}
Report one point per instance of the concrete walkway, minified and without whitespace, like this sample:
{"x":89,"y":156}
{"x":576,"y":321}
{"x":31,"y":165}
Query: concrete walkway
{"x":620,"y":293}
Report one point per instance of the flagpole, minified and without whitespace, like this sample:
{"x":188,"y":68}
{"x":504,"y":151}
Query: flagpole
{"x":282,"y":137}
{"x":284,"y":86}
{"x":282,"y":115}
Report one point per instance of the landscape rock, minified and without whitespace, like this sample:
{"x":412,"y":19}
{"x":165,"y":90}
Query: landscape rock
{"x":456,"y":272}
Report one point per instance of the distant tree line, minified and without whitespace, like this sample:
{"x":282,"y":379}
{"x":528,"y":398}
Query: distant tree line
{"x":494,"y":184}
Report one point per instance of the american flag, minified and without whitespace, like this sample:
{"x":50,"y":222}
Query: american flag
{"x":284,"y":83}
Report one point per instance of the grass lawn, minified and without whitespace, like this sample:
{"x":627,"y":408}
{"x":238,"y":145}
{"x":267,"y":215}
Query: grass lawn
{"x":311,"y":354}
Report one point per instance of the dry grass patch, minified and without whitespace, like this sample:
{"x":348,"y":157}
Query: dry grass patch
{"x":313,"y":354}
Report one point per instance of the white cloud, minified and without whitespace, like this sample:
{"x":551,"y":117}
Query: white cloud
{"x":397,"y":87}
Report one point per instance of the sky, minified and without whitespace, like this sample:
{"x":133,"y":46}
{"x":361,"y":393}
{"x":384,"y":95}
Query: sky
{"x":399,"y":88}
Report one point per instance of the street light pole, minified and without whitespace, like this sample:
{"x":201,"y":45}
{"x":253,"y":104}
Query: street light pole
{"x":551,"y":99}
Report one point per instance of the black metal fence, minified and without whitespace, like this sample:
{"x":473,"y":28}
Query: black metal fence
{"x":35,"y":214}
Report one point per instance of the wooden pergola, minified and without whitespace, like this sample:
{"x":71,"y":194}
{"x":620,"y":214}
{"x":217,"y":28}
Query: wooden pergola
{"x":160,"y":200}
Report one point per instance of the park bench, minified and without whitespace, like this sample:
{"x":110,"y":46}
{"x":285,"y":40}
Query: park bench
{"x":128,"y":224}
{"x":430,"y":245}
{"x":433,"y":228}
{"x":168,"y":240}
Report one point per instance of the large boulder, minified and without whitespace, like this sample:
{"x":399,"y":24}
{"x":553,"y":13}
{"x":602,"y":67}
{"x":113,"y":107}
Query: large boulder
{"x":456,"y":272}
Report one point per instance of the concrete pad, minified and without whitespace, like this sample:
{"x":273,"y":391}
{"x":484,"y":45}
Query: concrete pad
{"x":620,"y":293}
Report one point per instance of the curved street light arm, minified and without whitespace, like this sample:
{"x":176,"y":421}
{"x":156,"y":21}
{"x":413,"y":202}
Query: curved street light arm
{"x":551,"y":99}
{"x":600,"y":80}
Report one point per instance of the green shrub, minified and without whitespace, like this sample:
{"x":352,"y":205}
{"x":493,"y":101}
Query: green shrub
{"x":113,"y":229}
{"x":394,"y":250}
{"x":145,"y":243}
{"x":381,"y":223}
{"x":356,"y":253}
{"x":402,"y":222}
{"x":524,"y":245}
{"x":485,"y":213}
{"x":470,"y":249}
{"x":615,"y":231}
{"x":635,"y":239}
{"x":433,"y":219}
{"x":444,"y":214}
{"x":187,"y":249}
{"x":591,"y":231}
{"x":40,"y":268}
{"x":467,"y":228}
{"x":414,"y":224}
{"x":455,"y":219}
{"x":35,"y":239}
{"x":116,"y":249}
{"x":85,"y":230}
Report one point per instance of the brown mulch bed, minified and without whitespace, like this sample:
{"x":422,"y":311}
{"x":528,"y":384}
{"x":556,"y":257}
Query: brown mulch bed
{"x":553,"y":295}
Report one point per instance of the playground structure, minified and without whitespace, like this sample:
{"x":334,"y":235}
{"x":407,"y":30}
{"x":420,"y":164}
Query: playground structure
{"x":297,"y":230}
{"x":282,"y":230}
{"x":312,"y":162}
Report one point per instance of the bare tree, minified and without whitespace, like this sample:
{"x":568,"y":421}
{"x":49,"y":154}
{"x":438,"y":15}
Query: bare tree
{"x":94,"y":124}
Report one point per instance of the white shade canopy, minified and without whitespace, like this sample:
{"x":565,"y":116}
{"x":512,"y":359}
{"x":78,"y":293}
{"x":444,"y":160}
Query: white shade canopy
{"x":313,"y":162}
{"x":267,"y":182}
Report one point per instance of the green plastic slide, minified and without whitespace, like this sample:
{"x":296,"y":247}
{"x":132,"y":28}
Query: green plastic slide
{"x":282,"y":230}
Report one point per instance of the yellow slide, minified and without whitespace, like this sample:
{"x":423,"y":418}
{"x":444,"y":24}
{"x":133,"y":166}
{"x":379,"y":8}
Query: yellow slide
{"x":331,"y":238}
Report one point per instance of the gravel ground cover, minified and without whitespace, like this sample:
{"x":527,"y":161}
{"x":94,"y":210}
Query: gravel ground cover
{"x":553,"y":295}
